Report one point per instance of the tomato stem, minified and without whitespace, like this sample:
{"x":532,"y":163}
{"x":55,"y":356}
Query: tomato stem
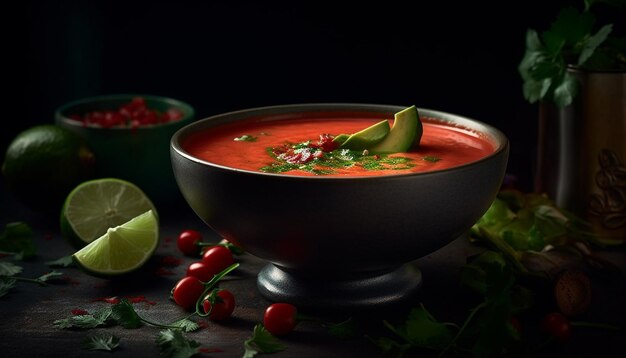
{"x":209,"y":285}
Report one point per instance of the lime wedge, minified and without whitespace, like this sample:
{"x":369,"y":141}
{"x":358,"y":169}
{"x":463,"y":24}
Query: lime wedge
{"x":97,"y":205}
{"x":121,"y":249}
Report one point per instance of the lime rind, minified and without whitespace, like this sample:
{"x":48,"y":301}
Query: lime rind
{"x":121,"y":249}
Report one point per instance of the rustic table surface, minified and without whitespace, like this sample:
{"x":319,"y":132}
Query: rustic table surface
{"x":27,"y":313}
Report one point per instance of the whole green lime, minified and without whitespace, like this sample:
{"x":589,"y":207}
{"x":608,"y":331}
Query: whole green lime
{"x":44,"y":163}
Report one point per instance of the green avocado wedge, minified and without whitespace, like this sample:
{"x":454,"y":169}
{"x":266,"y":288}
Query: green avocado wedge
{"x":406,"y":133}
{"x":367,"y":137}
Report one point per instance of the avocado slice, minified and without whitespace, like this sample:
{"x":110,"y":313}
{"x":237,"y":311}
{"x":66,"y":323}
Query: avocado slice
{"x":367,"y":137}
{"x":341,"y":138}
{"x":405,"y":133}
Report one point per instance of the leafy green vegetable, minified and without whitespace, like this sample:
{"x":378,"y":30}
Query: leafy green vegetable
{"x":101,"y":343}
{"x":172,"y":343}
{"x":569,"y":41}
{"x":17,"y":238}
{"x":125,"y":315}
{"x":261,"y":341}
{"x":486,"y":330}
{"x":521,"y":226}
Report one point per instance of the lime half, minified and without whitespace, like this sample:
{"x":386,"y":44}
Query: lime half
{"x":121,"y":249}
{"x":97,"y":205}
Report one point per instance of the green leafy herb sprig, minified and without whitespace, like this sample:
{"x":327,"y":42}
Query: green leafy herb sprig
{"x":8,"y":278}
{"x":570,"y":41}
{"x":17,"y":239}
{"x":534,"y":235}
{"x":487,"y":329}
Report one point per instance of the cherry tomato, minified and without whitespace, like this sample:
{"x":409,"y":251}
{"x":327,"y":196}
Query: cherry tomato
{"x":222,"y":306}
{"x":280,"y":318}
{"x":218,"y":258}
{"x":556,"y":325}
{"x":188,"y":242}
{"x":187,"y":291}
{"x":201,"y":271}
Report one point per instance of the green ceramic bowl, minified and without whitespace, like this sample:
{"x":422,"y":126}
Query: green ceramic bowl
{"x":139,"y":155}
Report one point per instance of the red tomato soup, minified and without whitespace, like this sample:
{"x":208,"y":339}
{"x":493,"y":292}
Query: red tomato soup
{"x":267,"y":145}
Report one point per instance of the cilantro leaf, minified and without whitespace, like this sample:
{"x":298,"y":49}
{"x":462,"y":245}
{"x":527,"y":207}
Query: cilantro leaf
{"x":566,"y":90}
{"x":49,"y":275}
{"x":99,"y":318}
{"x":6,"y":284}
{"x":342,"y":330}
{"x":186,"y":325}
{"x":9,"y":269}
{"x":422,"y":330}
{"x":568,"y":41}
{"x":262,"y":341}
{"x":65,"y":261}
{"x":125,"y":315}
{"x":172,"y":343}
{"x":101,"y":343}
{"x":590,"y":44}
{"x":17,"y":238}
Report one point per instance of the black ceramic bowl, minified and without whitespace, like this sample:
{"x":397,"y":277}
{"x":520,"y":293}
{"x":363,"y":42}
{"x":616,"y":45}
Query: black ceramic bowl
{"x":338,"y":242}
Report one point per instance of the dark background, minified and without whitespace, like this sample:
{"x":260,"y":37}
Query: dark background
{"x":459,"y":57}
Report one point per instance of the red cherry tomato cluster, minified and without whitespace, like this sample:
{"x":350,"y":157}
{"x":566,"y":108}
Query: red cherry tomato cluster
{"x":218,"y":304}
{"x":131,"y":115}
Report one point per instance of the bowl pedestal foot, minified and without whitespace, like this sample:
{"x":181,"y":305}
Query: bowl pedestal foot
{"x":378,"y":290}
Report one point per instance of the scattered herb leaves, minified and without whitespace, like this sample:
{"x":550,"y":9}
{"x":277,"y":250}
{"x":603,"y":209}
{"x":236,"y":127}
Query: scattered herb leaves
{"x":262,"y":341}
{"x":9,"y":269}
{"x":486,"y":330}
{"x":336,"y":159}
{"x":186,"y":325}
{"x":49,"y":276}
{"x":6,"y":284}
{"x":527,"y":228}
{"x":342,"y":330}
{"x":65,"y":261}
{"x":172,"y":343}
{"x":122,"y":313}
{"x":101,"y":343}
{"x":125,"y":315}
{"x":86,"y":321}
{"x":17,"y":239}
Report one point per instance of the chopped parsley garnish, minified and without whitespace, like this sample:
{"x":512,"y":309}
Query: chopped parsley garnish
{"x":431,"y":159}
{"x":245,"y":138}
{"x":323,"y":157}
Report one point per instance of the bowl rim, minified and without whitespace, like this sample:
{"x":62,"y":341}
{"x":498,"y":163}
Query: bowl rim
{"x":498,"y":139}
{"x":60,"y":116}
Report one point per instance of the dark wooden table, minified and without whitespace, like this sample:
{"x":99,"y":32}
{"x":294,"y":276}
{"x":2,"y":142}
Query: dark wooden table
{"x":27,"y":313}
